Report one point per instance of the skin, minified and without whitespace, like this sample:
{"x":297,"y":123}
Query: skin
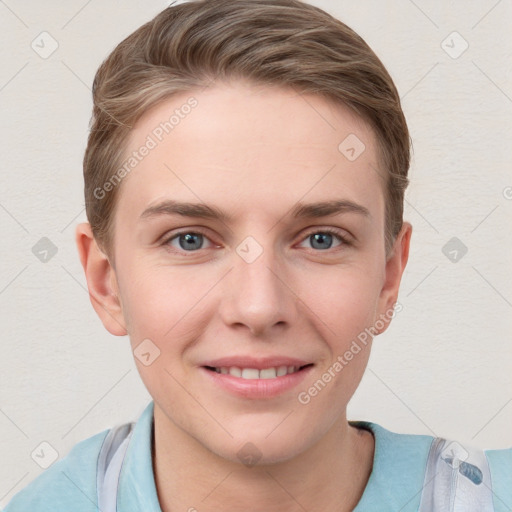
{"x":253,"y":152}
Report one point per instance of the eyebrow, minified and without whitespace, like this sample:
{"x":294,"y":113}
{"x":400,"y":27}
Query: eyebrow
{"x":300,"y":210}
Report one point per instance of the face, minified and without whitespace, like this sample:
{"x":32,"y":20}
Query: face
{"x":235,"y":311}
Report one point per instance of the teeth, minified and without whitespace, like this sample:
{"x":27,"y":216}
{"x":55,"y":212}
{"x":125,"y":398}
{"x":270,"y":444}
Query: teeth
{"x":253,"y":373}
{"x":236,"y":372}
{"x":250,"y":373}
{"x":282,"y":370}
{"x":268,"y":373}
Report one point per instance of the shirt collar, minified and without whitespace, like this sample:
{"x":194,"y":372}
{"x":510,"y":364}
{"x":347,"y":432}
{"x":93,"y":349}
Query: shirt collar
{"x":398,"y":465}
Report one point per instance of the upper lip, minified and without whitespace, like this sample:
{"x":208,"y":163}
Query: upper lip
{"x":256,"y":363}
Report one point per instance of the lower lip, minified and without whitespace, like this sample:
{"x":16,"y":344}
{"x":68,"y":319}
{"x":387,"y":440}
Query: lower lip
{"x":257,"y":388}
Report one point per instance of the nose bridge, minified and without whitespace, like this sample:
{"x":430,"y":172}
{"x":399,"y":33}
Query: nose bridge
{"x":257,"y":296}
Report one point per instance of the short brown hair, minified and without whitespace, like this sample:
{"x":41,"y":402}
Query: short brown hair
{"x":271,"y":42}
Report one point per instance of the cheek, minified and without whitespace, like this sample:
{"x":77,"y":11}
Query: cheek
{"x":163,"y":311}
{"x":159,"y":301}
{"x":344,"y":299}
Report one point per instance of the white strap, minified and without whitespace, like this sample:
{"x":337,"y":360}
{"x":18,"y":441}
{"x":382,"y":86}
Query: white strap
{"x":110,"y":461}
{"x":457,"y":479}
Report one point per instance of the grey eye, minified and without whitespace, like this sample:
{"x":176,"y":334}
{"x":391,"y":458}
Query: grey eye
{"x":321,"y":240}
{"x":190,"y":241}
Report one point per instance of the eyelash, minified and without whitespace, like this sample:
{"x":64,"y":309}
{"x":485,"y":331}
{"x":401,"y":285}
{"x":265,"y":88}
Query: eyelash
{"x":331,"y":231}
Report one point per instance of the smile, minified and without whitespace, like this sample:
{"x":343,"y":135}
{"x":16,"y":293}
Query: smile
{"x":254,"y":373}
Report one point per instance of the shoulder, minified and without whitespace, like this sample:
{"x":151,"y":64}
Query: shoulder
{"x":500,"y":466}
{"x":407,"y":463}
{"x":68,"y":484}
{"x":398,"y":472}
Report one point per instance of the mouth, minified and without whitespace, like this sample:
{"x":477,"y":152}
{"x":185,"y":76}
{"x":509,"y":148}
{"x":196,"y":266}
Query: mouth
{"x":256,"y":378}
{"x":272,"y":372}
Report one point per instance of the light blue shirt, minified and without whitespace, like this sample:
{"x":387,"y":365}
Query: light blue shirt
{"x":395,"y":483}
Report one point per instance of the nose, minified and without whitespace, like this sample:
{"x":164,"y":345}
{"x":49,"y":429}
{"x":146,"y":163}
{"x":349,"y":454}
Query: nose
{"x":256,"y":294}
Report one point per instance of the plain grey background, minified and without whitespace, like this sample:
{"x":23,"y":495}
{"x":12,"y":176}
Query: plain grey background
{"x":444,"y":367}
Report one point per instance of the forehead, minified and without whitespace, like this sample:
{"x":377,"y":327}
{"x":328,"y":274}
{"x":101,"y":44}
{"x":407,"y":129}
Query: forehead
{"x":259,"y":148}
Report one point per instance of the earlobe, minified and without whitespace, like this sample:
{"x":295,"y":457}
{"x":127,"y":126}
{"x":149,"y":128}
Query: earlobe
{"x":395,"y":266}
{"x":101,"y":281}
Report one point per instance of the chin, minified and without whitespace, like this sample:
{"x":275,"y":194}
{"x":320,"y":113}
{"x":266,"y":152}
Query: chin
{"x":257,"y":450}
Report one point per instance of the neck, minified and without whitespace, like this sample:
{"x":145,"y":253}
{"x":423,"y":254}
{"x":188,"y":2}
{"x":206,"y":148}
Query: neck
{"x":329,"y":476}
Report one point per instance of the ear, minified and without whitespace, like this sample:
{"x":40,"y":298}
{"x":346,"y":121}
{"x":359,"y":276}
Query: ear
{"x":101,"y":281}
{"x":395,"y":266}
